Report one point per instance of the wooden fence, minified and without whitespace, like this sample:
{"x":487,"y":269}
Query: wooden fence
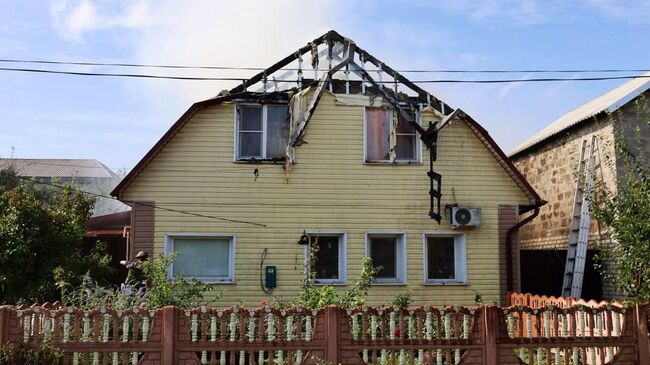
{"x":366,"y":335}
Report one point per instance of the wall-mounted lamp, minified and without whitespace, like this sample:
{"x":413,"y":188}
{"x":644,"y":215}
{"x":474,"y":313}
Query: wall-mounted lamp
{"x":304,"y":239}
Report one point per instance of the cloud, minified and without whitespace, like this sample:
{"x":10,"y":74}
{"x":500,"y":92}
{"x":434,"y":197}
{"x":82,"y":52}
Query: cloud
{"x":632,"y":11}
{"x":74,"y":19}
{"x":520,"y":12}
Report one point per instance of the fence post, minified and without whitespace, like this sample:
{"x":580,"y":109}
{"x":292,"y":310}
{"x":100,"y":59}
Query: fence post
{"x":332,"y":334}
{"x":4,"y":325}
{"x":168,"y":335}
{"x":491,"y":330}
{"x":643,"y":348}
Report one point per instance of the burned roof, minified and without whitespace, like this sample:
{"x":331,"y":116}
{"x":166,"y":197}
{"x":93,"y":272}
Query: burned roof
{"x":340,"y":66}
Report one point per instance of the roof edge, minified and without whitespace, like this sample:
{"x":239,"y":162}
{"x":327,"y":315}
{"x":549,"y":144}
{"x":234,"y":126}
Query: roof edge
{"x":503,"y":159}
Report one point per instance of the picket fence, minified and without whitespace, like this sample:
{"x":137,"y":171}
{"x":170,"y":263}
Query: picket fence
{"x":603,"y":334}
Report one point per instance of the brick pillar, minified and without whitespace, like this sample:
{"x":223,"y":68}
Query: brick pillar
{"x":641,"y":327}
{"x":332,"y":334}
{"x":491,"y":331}
{"x":168,"y":335}
{"x":4,"y":325}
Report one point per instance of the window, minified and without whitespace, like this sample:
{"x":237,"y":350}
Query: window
{"x":388,"y":253}
{"x":330,"y":257}
{"x":207,"y":257}
{"x":262,"y":132}
{"x":379,"y":126}
{"x":444,"y":258}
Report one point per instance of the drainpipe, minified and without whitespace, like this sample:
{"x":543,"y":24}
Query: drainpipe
{"x":509,"y":234}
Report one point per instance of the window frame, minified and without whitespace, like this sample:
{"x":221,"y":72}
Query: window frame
{"x":169,"y":248}
{"x":418,"y":142}
{"x":460,"y":258}
{"x":400,"y":261}
{"x":264,"y":158}
{"x":343,"y":256}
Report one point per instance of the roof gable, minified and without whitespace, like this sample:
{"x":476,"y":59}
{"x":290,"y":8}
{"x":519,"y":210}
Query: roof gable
{"x":344,"y":60}
{"x":607,"y":102}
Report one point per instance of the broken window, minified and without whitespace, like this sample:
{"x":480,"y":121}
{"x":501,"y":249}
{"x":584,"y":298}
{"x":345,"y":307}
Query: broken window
{"x":262,"y":132}
{"x":380,"y":125}
{"x":328,"y":250}
{"x":445,"y":258}
{"x":388,"y":255}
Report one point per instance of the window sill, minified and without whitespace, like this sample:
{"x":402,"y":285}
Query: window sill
{"x":389,"y":283}
{"x":334,"y":283}
{"x":446,"y":283}
{"x":381,"y":163}
{"x":260,"y":161}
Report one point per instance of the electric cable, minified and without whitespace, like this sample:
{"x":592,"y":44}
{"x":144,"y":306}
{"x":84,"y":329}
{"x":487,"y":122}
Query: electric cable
{"x":141,"y":203}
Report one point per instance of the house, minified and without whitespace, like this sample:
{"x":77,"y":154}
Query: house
{"x":355,"y":159}
{"x":549,"y":161}
{"x":87,"y":174}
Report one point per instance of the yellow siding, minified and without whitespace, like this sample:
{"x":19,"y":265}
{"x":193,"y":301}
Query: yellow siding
{"x":329,"y":189}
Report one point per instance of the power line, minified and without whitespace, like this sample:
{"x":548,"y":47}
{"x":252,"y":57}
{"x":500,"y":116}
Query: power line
{"x":439,"y":81}
{"x":199,"y":67}
{"x":141,"y":203}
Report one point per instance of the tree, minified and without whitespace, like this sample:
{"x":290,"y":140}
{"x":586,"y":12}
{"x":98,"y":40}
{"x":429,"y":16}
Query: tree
{"x":41,"y":240}
{"x":626,"y":211}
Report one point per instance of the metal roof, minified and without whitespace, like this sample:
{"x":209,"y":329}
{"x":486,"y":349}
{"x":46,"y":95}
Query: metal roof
{"x":609,"y":101}
{"x":61,"y":168}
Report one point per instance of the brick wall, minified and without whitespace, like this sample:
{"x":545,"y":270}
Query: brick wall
{"x":551,"y":169}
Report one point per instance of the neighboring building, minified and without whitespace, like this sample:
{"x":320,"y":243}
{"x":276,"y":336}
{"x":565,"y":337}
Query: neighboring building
{"x":87,"y":174}
{"x":549,"y":161}
{"x":249,"y":180}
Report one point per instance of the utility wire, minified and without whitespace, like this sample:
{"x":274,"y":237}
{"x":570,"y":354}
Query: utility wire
{"x":78,"y":63}
{"x":141,"y":203}
{"x":439,"y":81}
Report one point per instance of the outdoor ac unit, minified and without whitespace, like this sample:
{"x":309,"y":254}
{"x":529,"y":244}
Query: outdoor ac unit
{"x":465,"y":217}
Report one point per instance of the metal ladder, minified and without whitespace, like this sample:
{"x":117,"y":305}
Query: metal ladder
{"x":580,"y":220}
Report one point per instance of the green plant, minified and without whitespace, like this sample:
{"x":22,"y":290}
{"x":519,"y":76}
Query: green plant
{"x":313,"y":296}
{"x":178,"y":291}
{"x":625,"y":210}
{"x":478,"y":297}
{"x":41,"y":240}
{"x":403,"y":299}
{"x":23,"y":355}
{"x":160,"y":291}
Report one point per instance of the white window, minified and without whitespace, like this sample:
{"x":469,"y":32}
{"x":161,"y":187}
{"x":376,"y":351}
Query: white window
{"x":329,"y":251}
{"x":207,"y":257}
{"x":379,"y":124}
{"x":262,"y":132}
{"x":444,"y":258}
{"x":388,"y":253}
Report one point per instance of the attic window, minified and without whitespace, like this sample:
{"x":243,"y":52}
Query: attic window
{"x":380,"y":124}
{"x":262,"y":132}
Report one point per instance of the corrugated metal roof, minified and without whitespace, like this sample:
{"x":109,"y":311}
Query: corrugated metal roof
{"x":609,"y":101}
{"x":61,"y":168}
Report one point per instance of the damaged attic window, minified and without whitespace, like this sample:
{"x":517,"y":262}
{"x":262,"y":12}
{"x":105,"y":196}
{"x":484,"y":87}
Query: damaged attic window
{"x":262,"y":132}
{"x":378,"y":129}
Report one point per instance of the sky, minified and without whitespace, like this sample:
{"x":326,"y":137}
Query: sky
{"x":117,"y":120}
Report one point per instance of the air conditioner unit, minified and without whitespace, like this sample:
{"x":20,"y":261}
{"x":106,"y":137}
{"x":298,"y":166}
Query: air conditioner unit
{"x":465,"y":217}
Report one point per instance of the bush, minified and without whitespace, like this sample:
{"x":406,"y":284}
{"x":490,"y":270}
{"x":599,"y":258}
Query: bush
{"x":160,"y":291}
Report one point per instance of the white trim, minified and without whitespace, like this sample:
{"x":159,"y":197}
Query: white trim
{"x":460,"y":258}
{"x":417,"y":146}
{"x":263,"y":157}
{"x":400,"y":260}
{"x":169,"y":248}
{"x":343,"y":255}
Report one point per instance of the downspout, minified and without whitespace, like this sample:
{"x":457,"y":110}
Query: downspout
{"x":509,"y":234}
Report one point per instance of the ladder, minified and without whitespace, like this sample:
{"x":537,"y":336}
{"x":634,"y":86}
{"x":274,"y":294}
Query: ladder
{"x":580,"y":220}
